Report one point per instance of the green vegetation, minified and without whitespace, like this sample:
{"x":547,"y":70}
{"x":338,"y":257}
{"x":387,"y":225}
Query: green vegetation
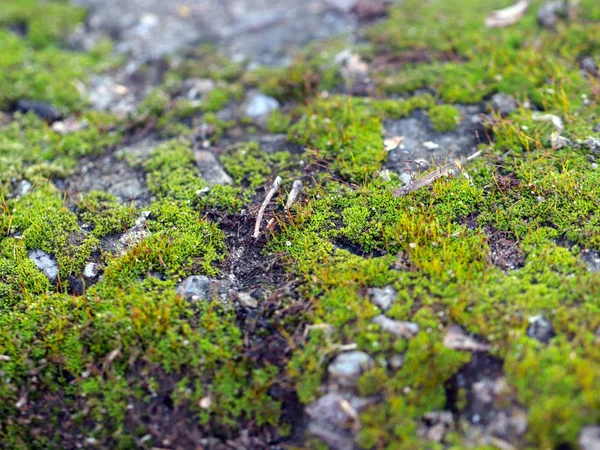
{"x":444,"y":117}
{"x":103,"y":361}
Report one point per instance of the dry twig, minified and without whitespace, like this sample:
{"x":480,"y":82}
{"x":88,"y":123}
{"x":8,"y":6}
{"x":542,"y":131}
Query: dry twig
{"x":294,"y":193}
{"x":261,"y":211}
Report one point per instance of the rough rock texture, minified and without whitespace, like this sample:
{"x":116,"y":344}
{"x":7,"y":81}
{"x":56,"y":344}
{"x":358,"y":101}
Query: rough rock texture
{"x":46,"y":263}
{"x":422,"y":145}
{"x":259,"y":29}
{"x":540,"y":329}
{"x":347,"y":367}
{"x":210,"y":168}
{"x":383,"y":297}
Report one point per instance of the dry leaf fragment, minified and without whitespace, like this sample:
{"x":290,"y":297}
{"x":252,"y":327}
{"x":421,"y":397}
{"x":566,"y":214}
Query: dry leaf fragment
{"x":393,"y":143}
{"x":507,"y":16}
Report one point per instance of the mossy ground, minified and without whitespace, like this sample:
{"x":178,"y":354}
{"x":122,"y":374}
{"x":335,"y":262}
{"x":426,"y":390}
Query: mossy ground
{"x":130,"y":362}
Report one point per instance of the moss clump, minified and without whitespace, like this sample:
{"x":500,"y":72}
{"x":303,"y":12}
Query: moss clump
{"x":278,"y":122}
{"x":105,"y":214}
{"x":172,"y":172}
{"x":29,"y":149}
{"x":46,"y":74}
{"x":444,"y":117}
{"x":247,"y":165}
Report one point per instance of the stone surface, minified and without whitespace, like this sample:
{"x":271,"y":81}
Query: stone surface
{"x":435,"y":424}
{"x":398,"y":328}
{"x":109,"y":174}
{"x":383,"y":297}
{"x":262,"y":30}
{"x":396,"y":361}
{"x":136,"y":234}
{"x":540,"y":329}
{"x":23,"y":187}
{"x":210,"y":169}
{"x":421,"y":142}
{"x":90,"y":270}
{"x":346,"y":368}
{"x":259,"y":105}
{"x":503,"y":103}
{"x":335,"y":438}
{"x":589,"y":438}
{"x":246,"y":300}
{"x":457,"y":339}
{"x":106,"y":94}
{"x":196,"y":287}
{"x":589,"y":65}
{"x":41,"y":109}
{"x":591,"y":258}
{"x":333,"y":408}
{"x":550,"y":13}
{"x":46,"y":263}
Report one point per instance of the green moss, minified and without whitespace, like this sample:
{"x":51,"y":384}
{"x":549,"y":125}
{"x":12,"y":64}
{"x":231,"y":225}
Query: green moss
{"x":278,"y":122}
{"x":172,"y":172}
{"x":247,"y":165}
{"x":130,"y":339}
{"x":45,"y":22}
{"x":444,"y":117}
{"x":29,"y":149}
{"x":48,"y":74}
{"x":105,"y":214}
{"x":216,"y":99}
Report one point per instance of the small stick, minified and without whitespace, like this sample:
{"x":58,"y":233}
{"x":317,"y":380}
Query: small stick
{"x":293,"y":195}
{"x":426,"y":180}
{"x":261,"y":211}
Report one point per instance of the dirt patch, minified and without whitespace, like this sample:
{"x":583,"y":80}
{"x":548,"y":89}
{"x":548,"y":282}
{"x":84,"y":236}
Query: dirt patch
{"x":504,"y":252}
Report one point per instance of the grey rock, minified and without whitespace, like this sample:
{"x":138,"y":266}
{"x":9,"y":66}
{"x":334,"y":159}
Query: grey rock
{"x":540,"y":329}
{"x":127,"y":190}
{"x":418,"y":136}
{"x":435,"y":424}
{"x":333,"y":437}
{"x":259,"y":105}
{"x":597,"y":128}
{"x":457,"y":339}
{"x":509,"y":425}
{"x":398,"y":328}
{"x":346,"y":368}
{"x":591,"y":258}
{"x":383,"y":297}
{"x":23,"y":187}
{"x":397,"y":361}
{"x":41,"y":109}
{"x":333,"y":408}
{"x":550,"y":13}
{"x":45,"y":262}
{"x":503,"y":103}
{"x":111,"y":174}
{"x":265,"y":31}
{"x":272,"y":143}
{"x":592,"y":143}
{"x":90,"y":270}
{"x":210,"y":168}
{"x":135,"y":234}
{"x":588,"y":64}
{"x":589,"y":437}
{"x":196,"y":88}
{"x":246,"y":300}
{"x":196,"y":287}
{"x":105,"y":94}
{"x":342,"y":5}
